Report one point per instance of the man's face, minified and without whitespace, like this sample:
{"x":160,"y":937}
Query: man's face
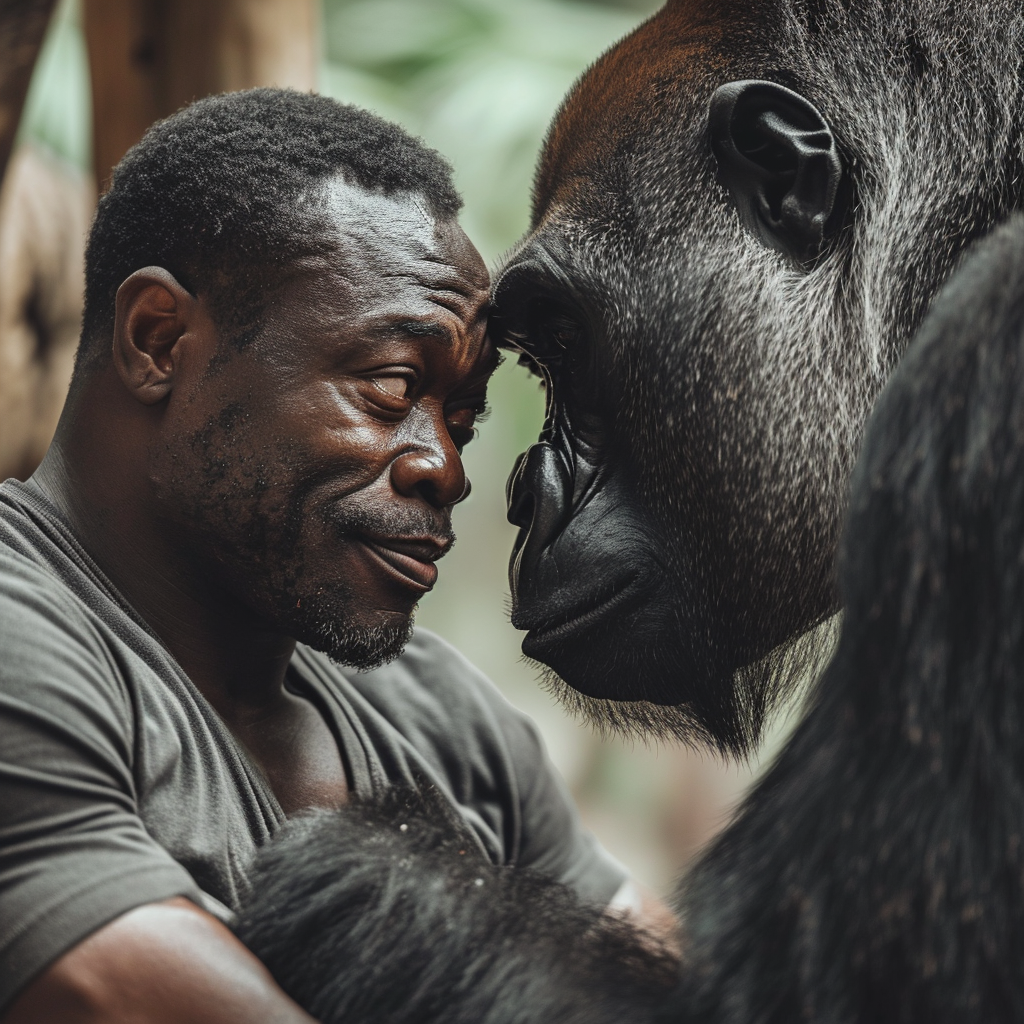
{"x":311,"y":476}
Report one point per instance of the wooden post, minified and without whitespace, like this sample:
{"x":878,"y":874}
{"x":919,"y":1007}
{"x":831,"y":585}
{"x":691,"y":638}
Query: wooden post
{"x":44,"y":215}
{"x":22,"y":27}
{"x":149,"y":57}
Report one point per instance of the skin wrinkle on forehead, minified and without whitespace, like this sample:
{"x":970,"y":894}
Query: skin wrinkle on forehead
{"x":376,"y":240}
{"x":367,"y":225}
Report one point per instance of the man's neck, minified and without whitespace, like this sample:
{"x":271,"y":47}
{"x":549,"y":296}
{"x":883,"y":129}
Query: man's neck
{"x":235,"y":659}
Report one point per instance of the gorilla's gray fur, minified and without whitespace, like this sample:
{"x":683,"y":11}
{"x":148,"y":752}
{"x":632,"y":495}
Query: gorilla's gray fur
{"x":732,"y":385}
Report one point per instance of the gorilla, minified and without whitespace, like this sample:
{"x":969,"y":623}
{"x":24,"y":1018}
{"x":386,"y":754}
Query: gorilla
{"x":392,"y":913}
{"x":741,"y":214}
{"x":875,"y":874}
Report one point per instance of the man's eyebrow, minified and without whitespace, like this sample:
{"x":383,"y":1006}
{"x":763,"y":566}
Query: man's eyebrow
{"x":426,"y":327}
{"x":422,"y":329}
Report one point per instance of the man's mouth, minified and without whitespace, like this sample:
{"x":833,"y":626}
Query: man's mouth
{"x":411,"y":559}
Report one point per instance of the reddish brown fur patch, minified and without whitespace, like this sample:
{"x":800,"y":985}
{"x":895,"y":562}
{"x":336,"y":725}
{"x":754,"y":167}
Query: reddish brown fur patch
{"x":621,"y":93}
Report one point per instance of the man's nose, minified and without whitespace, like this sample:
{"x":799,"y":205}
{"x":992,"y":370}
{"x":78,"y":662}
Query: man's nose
{"x":431,"y":470}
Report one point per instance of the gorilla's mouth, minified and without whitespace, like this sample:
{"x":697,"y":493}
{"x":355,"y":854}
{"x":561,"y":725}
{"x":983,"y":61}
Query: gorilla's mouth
{"x":547,"y":629}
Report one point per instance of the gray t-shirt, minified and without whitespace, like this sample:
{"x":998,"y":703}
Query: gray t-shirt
{"x":120,"y":785}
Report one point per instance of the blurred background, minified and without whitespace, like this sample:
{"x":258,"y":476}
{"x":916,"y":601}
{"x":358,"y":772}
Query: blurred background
{"x":477,"y":79}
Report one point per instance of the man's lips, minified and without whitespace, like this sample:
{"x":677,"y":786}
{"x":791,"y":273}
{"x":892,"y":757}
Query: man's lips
{"x":410,"y":558}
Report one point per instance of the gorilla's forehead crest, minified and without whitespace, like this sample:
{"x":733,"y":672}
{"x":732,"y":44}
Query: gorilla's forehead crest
{"x":619,"y":96}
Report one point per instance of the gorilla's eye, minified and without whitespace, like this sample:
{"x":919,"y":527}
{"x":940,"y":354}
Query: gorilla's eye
{"x":546,"y":338}
{"x":553,"y":335}
{"x":531,"y":365}
{"x":563,"y":330}
{"x":523,"y":343}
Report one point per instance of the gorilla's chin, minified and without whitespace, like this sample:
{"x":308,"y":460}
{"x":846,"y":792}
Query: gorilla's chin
{"x":626,"y":678}
{"x":727,"y":711}
{"x":626,"y":649}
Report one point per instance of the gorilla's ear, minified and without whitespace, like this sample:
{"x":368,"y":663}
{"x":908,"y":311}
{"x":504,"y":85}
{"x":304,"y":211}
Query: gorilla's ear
{"x":778,"y":159}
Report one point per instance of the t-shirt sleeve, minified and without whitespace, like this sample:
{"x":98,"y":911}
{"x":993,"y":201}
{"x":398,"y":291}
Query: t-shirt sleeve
{"x":74,"y":853}
{"x":553,"y":840}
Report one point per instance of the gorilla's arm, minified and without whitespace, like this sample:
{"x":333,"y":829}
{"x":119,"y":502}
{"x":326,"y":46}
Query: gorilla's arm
{"x":391,"y":913}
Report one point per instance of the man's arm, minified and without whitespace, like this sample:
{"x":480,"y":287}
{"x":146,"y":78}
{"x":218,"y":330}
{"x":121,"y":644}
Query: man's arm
{"x":163,"y":962}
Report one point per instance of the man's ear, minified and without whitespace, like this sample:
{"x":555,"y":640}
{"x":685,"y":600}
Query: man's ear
{"x":151,"y":313}
{"x":779,"y":161}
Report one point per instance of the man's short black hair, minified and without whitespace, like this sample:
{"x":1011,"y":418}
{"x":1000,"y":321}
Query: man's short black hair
{"x":214,"y":194}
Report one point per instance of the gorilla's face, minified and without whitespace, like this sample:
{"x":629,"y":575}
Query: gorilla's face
{"x":707,"y":383}
{"x":678,"y":517}
{"x":679,"y":514}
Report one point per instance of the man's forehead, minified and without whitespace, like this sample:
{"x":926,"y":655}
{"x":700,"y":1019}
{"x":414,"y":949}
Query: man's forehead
{"x":398,"y":236}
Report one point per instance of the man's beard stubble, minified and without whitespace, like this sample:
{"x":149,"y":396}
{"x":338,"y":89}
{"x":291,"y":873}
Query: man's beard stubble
{"x":326,"y":618}
{"x":321,"y":624}
{"x":266,"y":544}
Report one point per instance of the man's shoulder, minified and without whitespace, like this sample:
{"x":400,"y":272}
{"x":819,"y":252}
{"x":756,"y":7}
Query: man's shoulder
{"x":54,"y":644}
{"x":29,"y":590}
{"x":54,"y":660}
{"x":26,"y":550}
{"x":31,"y":587}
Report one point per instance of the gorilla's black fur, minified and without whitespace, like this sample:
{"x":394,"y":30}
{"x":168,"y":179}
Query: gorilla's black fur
{"x":391,"y":912}
{"x":877,"y":873}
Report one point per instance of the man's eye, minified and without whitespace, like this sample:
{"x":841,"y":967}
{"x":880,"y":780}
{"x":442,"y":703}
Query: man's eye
{"x":394,"y":386}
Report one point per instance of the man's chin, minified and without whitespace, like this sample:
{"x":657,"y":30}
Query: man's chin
{"x":344,"y":639}
{"x":363,"y":647}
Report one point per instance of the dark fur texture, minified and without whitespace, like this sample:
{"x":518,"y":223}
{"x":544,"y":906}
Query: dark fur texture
{"x":877,"y":874}
{"x":391,"y":913}
{"x":709,"y":395}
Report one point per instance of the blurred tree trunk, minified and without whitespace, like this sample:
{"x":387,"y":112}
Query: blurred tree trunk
{"x":22,"y":27}
{"x":147,"y":58}
{"x":45,"y":208}
{"x":150,"y":57}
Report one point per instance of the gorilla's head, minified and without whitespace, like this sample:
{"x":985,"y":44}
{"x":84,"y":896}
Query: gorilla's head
{"x":741,"y":214}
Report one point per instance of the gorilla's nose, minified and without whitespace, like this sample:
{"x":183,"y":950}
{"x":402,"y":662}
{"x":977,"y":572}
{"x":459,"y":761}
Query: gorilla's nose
{"x":539,"y":492}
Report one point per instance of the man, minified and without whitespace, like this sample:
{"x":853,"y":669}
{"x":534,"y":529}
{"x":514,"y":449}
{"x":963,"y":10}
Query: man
{"x":283,"y":353}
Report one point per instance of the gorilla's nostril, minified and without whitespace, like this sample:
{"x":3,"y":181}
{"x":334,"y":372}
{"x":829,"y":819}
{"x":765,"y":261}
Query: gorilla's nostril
{"x":520,"y":508}
{"x":513,"y":485}
{"x":539,"y":493}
